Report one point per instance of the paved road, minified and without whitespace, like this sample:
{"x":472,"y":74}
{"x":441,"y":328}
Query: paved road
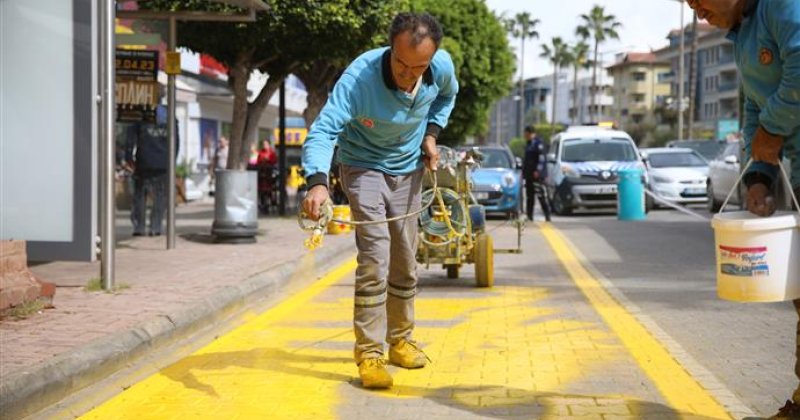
{"x":642,"y":337}
{"x":664,"y":266}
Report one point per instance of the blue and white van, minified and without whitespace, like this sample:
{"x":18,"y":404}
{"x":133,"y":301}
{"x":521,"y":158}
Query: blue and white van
{"x":582,"y":167}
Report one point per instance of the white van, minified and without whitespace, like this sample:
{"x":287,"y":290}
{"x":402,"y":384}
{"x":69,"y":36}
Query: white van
{"x":582,"y":167}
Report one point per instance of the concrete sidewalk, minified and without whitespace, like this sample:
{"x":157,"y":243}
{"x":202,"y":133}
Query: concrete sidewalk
{"x":167,"y":295}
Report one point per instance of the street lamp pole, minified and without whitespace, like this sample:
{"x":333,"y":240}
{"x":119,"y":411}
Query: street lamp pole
{"x":107,"y":145}
{"x":681,"y":75}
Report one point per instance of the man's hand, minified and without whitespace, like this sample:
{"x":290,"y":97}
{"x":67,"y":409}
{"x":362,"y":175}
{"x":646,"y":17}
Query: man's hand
{"x":431,"y":157}
{"x":766,"y":147}
{"x":314,"y":199}
{"x":759,"y":200}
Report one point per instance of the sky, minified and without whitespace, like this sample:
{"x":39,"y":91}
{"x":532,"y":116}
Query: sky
{"x":645,"y":24}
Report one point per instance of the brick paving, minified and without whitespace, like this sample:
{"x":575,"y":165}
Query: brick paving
{"x":159,"y":282}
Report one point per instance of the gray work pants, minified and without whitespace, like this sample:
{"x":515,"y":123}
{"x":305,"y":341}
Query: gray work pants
{"x":386,"y":277}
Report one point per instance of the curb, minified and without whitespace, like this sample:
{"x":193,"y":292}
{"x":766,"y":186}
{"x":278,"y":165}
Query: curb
{"x":29,"y":391}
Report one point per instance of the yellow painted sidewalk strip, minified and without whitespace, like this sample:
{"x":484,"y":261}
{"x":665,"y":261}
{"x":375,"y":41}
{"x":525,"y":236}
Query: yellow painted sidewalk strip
{"x":676,"y":385}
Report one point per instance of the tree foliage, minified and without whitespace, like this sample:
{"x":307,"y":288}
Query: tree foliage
{"x":600,"y":27}
{"x":522,"y":26}
{"x":291,"y":37}
{"x":558,"y":55}
{"x":476,"y":38}
{"x":577,"y":57}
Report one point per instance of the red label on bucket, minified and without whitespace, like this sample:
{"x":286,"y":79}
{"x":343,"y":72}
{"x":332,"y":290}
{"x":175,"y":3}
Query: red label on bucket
{"x":744,"y":262}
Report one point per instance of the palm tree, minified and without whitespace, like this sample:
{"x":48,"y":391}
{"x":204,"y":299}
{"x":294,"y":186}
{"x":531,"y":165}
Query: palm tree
{"x":692,"y":77}
{"x":557,"y":53}
{"x":522,"y":26}
{"x":600,"y":27}
{"x":578,"y":58}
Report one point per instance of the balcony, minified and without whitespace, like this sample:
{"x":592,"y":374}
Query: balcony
{"x":725,"y":59}
{"x":727,"y":87}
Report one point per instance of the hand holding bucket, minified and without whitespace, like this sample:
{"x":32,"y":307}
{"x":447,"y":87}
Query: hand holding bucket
{"x":757,"y":258}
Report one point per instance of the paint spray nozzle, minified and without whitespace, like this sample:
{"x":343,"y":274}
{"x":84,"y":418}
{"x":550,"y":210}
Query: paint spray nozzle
{"x":315,"y":240}
{"x":317,"y":228}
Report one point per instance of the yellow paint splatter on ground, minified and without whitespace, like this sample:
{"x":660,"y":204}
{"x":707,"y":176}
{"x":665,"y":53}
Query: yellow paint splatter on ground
{"x":510,"y":351}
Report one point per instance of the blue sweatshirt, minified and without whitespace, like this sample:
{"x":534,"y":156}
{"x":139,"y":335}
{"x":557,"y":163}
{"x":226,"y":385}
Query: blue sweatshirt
{"x":375,"y":124}
{"x":767,"y":50}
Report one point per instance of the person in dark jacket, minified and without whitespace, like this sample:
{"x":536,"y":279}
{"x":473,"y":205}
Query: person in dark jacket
{"x":147,"y":153}
{"x":534,"y":171}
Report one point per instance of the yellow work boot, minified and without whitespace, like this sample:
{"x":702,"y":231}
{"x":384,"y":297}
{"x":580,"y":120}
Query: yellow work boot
{"x":406,"y":354}
{"x":373,"y":373}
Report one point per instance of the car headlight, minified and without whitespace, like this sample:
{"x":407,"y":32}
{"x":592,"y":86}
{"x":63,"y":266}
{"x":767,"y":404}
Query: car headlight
{"x":570,"y":171}
{"x":662,"y":179}
{"x":508,"y":180}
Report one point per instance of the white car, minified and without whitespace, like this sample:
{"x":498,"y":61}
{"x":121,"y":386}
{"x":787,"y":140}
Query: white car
{"x":677,"y":174}
{"x":583,"y":165}
{"x":724,"y":171}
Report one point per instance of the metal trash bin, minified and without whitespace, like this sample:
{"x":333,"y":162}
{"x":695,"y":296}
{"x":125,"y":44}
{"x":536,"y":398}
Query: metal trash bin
{"x":235,"y":206}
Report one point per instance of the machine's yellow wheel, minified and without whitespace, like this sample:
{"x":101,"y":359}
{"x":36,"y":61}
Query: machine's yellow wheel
{"x":484,"y":260}
{"x":452,"y":271}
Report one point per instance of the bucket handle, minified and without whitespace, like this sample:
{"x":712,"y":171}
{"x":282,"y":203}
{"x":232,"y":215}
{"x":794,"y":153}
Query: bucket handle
{"x":741,"y":176}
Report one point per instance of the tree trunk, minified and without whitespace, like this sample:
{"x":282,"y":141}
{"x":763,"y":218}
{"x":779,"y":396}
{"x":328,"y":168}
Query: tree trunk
{"x":575,"y":94}
{"x":521,"y":88}
{"x":692,"y":78}
{"x":238,"y":77}
{"x":254,"y":111}
{"x":319,"y":80}
{"x":594,"y":84}
{"x":555,"y":97}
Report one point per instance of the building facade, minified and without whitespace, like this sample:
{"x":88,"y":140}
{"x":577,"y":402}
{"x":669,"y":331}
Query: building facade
{"x":506,"y":116}
{"x":637,"y":89}
{"x":716,"y":101}
{"x":580,"y":110}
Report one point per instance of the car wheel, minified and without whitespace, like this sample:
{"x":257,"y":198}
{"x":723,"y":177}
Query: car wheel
{"x":559,"y":207}
{"x":712,"y":204}
{"x":649,"y":202}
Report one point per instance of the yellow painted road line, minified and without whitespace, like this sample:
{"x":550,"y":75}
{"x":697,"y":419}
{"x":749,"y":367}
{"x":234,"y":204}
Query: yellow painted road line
{"x":222,"y":380}
{"x":676,"y":385}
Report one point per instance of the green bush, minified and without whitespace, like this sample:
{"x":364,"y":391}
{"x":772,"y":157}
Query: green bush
{"x":184,"y":169}
{"x":546,"y":131}
{"x":517,"y":146}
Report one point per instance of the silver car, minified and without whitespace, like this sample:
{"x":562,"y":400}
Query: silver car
{"x":677,"y":175}
{"x":723,"y":171}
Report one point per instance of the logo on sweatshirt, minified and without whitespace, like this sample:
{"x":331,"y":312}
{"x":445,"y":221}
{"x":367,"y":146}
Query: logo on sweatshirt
{"x":366,"y":122}
{"x":765,"y":56}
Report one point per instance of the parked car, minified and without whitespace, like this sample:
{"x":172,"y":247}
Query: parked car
{"x":582,"y":167}
{"x":723,"y":171}
{"x":497,"y":183}
{"x":709,"y":149}
{"x":676,"y":174}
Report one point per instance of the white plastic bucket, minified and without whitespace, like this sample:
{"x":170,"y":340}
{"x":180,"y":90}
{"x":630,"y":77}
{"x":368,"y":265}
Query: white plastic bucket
{"x":758,"y":258}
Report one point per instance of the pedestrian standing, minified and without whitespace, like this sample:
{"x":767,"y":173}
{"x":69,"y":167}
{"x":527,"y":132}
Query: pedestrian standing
{"x":766,"y":36}
{"x":534,"y":171}
{"x":385,"y":114}
{"x":148,"y":154}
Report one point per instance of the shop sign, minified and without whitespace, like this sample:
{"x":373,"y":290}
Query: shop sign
{"x":137,"y":91}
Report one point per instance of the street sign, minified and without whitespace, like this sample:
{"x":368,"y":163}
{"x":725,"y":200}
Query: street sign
{"x":726,"y":127}
{"x":173,"y":64}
